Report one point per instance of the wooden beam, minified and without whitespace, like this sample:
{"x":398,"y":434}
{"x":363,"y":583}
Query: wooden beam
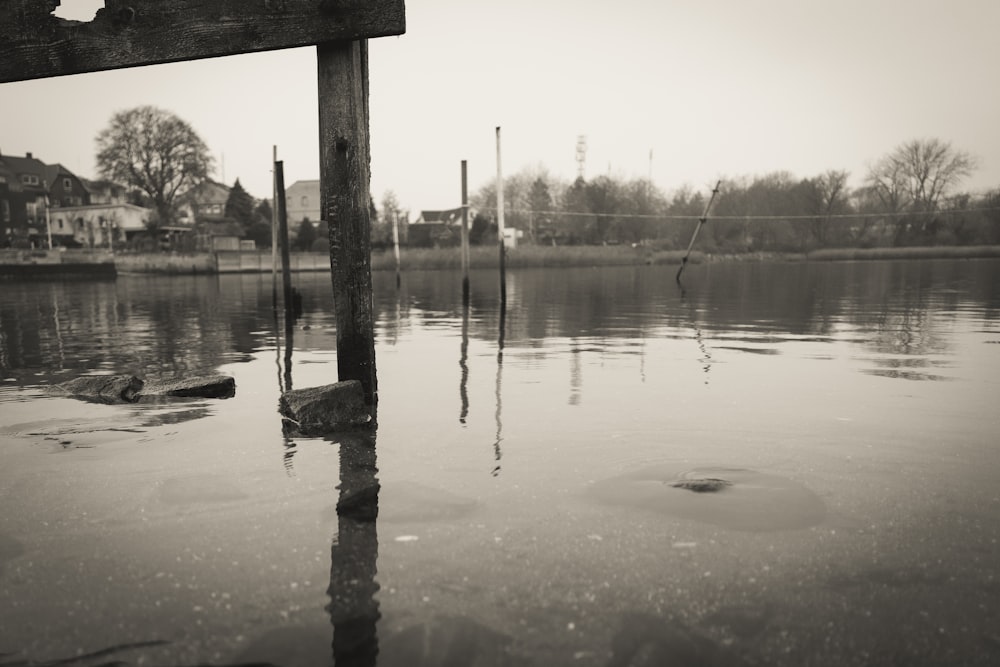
{"x":344,"y":174}
{"x":35,"y":44}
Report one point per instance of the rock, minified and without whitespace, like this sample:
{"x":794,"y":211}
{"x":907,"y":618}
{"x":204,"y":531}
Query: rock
{"x":103,"y":388}
{"x":203,"y":386}
{"x":129,"y":389}
{"x":319,"y":410}
{"x":704,"y":485}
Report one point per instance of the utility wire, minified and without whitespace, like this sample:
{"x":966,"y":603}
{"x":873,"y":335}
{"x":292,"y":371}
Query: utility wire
{"x":819,"y":216}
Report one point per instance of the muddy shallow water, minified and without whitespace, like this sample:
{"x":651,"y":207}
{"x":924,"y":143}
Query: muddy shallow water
{"x":515,"y":505}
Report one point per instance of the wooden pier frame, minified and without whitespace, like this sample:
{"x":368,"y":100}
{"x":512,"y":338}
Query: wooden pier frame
{"x":36,"y":44}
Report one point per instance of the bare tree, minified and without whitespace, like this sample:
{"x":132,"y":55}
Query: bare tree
{"x":154,"y":151}
{"x":831,"y":198}
{"x":917,"y":174}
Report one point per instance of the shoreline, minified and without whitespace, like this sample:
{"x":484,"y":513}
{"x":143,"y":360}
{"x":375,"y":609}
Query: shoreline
{"x":67,"y":264}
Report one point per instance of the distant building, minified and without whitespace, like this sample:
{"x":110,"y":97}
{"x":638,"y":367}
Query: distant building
{"x":23,"y":201}
{"x":205,"y":202}
{"x":436,"y":228}
{"x":96,"y":225}
{"x":302,"y":202}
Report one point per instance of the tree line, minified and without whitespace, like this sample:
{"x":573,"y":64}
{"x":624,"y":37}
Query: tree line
{"x":910,"y":196}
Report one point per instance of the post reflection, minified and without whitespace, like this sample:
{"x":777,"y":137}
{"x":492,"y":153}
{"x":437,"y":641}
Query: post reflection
{"x":463,"y":362}
{"x":498,"y":415}
{"x":354,"y":611}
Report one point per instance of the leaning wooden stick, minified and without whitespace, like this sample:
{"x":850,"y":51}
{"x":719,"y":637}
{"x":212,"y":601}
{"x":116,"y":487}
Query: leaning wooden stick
{"x":701,"y":221}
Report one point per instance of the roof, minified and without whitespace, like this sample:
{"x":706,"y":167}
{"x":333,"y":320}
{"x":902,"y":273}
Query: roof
{"x":208,"y":192}
{"x":24,"y":165}
{"x":449,"y":217}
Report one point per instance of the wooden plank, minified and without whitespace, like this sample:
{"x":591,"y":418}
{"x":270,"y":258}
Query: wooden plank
{"x":344,"y":174}
{"x":128,"y":33}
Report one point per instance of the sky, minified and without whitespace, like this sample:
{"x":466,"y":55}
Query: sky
{"x":710,"y":90}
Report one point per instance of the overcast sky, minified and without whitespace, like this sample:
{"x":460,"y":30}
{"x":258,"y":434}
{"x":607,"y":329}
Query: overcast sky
{"x":713,"y":88}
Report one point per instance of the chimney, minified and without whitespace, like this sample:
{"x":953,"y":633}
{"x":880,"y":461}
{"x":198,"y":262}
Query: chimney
{"x":27,"y":155}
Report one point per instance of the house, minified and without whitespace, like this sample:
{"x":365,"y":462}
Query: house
{"x":302,"y":203}
{"x":105,"y":192}
{"x":65,"y":188}
{"x":436,"y":228}
{"x":205,"y":202}
{"x":96,"y":225}
{"x":23,"y":195}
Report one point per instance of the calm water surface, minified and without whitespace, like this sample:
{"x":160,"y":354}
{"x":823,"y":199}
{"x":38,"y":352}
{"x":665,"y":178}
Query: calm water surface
{"x":536,"y":487}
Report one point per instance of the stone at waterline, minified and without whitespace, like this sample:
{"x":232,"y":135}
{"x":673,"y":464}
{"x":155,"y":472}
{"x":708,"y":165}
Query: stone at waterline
{"x":200,"y":386}
{"x":129,"y":389}
{"x":319,"y":410}
{"x":102,"y":388}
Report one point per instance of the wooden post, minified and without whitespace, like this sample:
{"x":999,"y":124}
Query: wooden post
{"x":342,"y":70}
{"x":274,"y":228}
{"x":500,"y":234}
{"x":465,"y":233}
{"x":286,"y":271}
{"x":395,"y":244}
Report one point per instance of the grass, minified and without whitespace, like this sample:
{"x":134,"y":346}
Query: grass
{"x":487,"y":257}
{"x":923,"y":252}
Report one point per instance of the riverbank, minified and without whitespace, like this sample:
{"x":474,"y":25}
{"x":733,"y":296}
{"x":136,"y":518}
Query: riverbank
{"x":56,"y":264}
{"x":33,"y":264}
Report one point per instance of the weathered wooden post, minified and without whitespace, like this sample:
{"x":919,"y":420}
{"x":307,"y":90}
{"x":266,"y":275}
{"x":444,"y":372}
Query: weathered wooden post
{"x":286,"y":262}
{"x":35,"y":44}
{"x":500,"y":232}
{"x":465,"y":233}
{"x":342,"y":68}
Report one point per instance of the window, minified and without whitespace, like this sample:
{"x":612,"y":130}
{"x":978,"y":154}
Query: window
{"x":29,"y":179}
{"x":67,"y":184}
{"x":5,"y":210}
{"x":305,"y":201}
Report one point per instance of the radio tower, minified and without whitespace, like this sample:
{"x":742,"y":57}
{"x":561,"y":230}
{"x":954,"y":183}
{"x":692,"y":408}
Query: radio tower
{"x":581,"y":155}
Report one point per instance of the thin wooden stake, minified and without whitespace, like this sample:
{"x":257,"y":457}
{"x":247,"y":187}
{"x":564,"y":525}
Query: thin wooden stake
{"x":395,"y":245}
{"x":286,"y":269}
{"x":500,"y":229}
{"x":465,"y":233}
{"x":701,"y":221}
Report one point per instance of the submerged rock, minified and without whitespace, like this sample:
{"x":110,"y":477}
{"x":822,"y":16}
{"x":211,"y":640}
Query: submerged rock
{"x":733,"y":498}
{"x":129,"y":389}
{"x":103,"y":388}
{"x":319,"y":410}
{"x":704,"y":485}
{"x":203,"y":386}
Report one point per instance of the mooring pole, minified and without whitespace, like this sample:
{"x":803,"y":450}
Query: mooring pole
{"x":465,"y":233}
{"x":286,"y":260}
{"x":395,"y":245}
{"x":500,"y":231}
{"x":274,"y":228}
{"x":342,"y":72}
{"x":701,"y":221}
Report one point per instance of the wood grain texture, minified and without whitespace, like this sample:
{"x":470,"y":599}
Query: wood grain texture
{"x":342,"y":71}
{"x":35,"y":44}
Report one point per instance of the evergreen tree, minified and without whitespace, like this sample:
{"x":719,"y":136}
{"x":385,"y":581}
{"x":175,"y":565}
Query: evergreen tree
{"x":240,"y":206}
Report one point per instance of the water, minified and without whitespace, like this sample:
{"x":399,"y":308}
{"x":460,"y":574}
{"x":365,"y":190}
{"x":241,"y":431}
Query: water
{"x":527,"y":512}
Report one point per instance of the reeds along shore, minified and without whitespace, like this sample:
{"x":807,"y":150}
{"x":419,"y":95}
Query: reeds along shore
{"x":486,"y":257}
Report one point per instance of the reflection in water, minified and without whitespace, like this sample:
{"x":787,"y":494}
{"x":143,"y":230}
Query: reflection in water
{"x":354,"y":611}
{"x":706,"y":356}
{"x":575,"y":373}
{"x":499,"y":401}
{"x":463,"y":361}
